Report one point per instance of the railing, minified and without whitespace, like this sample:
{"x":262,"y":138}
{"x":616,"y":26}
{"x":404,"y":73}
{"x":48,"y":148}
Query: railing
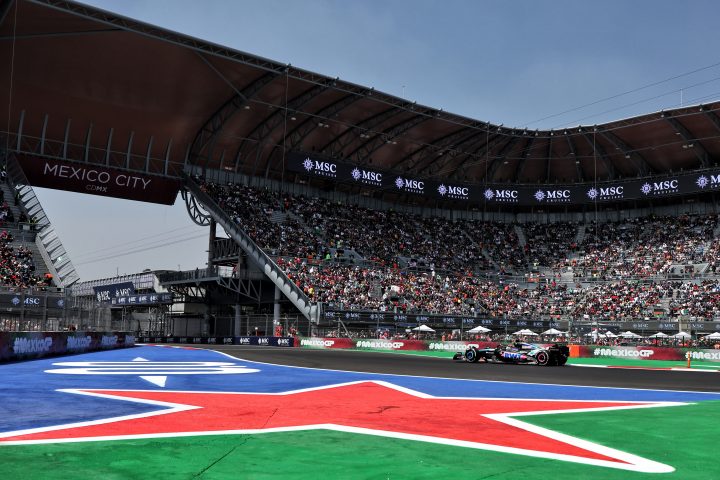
{"x":271,"y":269}
{"x":209,"y":273}
{"x":51,"y":248}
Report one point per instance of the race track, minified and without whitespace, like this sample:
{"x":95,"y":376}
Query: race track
{"x":416,"y":365}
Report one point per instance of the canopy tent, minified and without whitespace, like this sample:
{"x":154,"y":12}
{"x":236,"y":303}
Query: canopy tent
{"x":478,"y":329}
{"x":713,"y":336}
{"x":682,"y":335}
{"x":553,"y":331}
{"x":423,"y":328}
{"x":525,"y":331}
{"x":659,"y":335}
{"x":629,"y":334}
{"x":610,"y":334}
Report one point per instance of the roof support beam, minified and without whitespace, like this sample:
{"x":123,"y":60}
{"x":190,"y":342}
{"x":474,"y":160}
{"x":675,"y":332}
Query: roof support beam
{"x":298,"y":135}
{"x":712,"y":116}
{"x":338,"y":144}
{"x":698,"y":148}
{"x":523,"y":158}
{"x":573,"y":154}
{"x":449,"y":146}
{"x":478,"y":155}
{"x":279,"y":116}
{"x":206,"y":137}
{"x":363,"y":152}
{"x":5,"y":6}
{"x":598,"y":150}
{"x":639,"y":161}
{"x":548,"y":157}
{"x":500,"y":158}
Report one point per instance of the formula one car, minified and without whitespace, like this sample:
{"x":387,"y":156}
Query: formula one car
{"x":518,"y":352}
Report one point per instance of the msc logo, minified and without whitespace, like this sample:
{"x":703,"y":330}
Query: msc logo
{"x":264,"y":341}
{"x":367,"y":176}
{"x":416,"y":186}
{"x":501,"y":195}
{"x":283,"y":342}
{"x":704,"y":181}
{"x":453,"y":192}
{"x":604,"y":193}
{"x":320,"y":168}
{"x":659,"y":188}
{"x":553,"y":196}
{"x":28,"y":301}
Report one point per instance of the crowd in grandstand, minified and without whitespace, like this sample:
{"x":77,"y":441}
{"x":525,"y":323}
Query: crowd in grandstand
{"x":352,"y":257}
{"x":645,"y":246}
{"x":17,"y":266}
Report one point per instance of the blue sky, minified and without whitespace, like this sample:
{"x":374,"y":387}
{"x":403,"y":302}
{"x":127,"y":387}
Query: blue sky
{"x":521,"y":63}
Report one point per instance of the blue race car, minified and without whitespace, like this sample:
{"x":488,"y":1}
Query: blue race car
{"x":519,"y":353}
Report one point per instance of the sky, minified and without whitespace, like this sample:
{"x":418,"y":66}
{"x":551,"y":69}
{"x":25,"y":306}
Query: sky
{"x":522,"y":63}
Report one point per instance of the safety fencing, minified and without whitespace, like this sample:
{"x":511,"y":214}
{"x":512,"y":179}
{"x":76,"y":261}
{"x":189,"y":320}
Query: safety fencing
{"x":576,"y":351}
{"x":28,"y":345}
{"x":224,"y":340}
{"x":644,"y":353}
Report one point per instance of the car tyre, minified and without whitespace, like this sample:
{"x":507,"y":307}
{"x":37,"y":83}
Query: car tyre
{"x":471,"y":355}
{"x":542,"y":358}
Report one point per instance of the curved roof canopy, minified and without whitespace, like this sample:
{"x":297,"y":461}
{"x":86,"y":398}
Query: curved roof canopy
{"x":89,"y":85}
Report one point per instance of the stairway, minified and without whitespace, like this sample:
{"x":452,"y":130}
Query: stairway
{"x":47,"y":243}
{"x":483,"y":251}
{"x":580,"y":237}
{"x":278,"y":217}
{"x":522,"y":240}
{"x":254,"y":253}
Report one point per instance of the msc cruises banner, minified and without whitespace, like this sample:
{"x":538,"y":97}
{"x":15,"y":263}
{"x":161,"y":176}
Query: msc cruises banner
{"x":105,"y":293}
{"x":143,"y":299}
{"x":330,"y":317}
{"x":98,"y":180}
{"x":526,"y":195}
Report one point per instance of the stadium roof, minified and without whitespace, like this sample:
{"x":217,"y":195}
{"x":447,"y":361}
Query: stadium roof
{"x":103,"y":88}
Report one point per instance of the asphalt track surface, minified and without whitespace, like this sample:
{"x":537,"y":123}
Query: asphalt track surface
{"x":389,"y":363}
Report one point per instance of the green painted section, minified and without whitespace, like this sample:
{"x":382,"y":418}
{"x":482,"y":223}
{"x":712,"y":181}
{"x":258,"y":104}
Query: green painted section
{"x":644,"y":363}
{"x":682,"y":437}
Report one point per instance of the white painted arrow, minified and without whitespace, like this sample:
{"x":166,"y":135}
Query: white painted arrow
{"x":159,"y":381}
{"x":155,"y":380}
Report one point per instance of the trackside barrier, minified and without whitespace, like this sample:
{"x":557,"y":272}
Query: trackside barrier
{"x":249,"y":340}
{"x":29,"y":345}
{"x":644,"y":353}
{"x":576,"y":351}
{"x":391,"y":344}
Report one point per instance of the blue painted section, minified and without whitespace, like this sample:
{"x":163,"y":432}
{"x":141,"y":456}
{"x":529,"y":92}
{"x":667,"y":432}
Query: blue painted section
{"x":29,"y":396}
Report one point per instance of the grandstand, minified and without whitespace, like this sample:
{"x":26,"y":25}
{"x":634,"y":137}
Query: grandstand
{"x":342,"y":207}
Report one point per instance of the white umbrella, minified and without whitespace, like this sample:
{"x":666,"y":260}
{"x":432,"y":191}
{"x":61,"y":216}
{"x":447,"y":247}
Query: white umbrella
{"x":682,"y":335}
{"x":553,"y":331}
{"x":423,"y":328}
{"x":525,"y":331}
{"x":609,"y":334}
{"x":629,"y":334}
{"x":713,"y":336}
{"x":659,"y":335}
{"x":479,"y":329}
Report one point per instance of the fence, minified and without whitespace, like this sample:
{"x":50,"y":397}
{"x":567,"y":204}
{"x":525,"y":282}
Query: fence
{"x":221,"y":325}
